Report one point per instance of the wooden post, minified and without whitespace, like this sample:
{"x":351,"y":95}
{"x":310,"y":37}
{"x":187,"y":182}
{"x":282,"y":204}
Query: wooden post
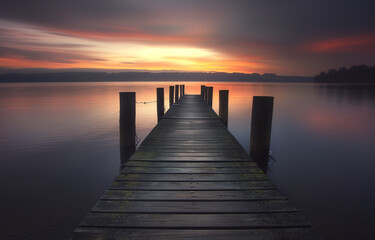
{"x":160,"y":102}
{"x":210,"y":95}
{"x":202,"y":90}
{"x":261,"y":123}
{"x":183,"y":89}
{"x":127,"y":125}
{"x":223,"y":106}
{"x":171,"y":95}
{"x":205,"y":93}
{"x":176,"y":94}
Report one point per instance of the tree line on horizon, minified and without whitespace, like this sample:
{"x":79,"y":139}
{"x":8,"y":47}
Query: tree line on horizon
{"x":148,"y":76}
{"x":355,"y":74}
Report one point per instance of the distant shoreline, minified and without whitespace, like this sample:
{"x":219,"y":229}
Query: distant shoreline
{"x":147,"y":77}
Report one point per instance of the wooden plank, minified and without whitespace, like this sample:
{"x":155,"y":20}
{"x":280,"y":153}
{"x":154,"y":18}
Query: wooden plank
{"x":202,"y":207}
{"x":159,"y":155}
{"x":191,"y":177}
{"x":195,"y":221}
{"x":185,"y":150}
{"x":206,"y":170}
{"x":148,"y":195}
{"x":179,"y":164}
{"x":174,"y":160}
{"x":208,"y":186}
{"x":308,"y":233}
{"x":207,"y":159}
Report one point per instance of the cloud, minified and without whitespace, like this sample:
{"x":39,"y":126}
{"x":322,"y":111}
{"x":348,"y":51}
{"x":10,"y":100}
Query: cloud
{"x":51,"y":56}
{"x":364,"y":43}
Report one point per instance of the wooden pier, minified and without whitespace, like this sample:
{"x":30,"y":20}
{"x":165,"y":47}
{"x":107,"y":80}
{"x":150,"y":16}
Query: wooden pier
{"x":191,"y":179}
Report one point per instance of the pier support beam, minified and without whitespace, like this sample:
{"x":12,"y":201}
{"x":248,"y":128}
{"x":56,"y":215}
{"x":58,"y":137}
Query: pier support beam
{"x":127,"y":125}
{"x":261,"y":123}
{"x":160,"y":102}
{"x":210,"y":95}
{"x":223,"y":106}
{"x":171,"y":95}
{"x":176,"y":93}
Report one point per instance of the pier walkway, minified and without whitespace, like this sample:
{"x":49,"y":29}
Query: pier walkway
{"x":191,"y":179}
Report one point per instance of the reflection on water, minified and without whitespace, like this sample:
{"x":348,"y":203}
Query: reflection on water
{"x":59,"y":150}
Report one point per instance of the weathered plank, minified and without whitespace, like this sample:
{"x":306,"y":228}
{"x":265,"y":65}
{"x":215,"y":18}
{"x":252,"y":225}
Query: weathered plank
{"x":179,"y":164}
{"x":195,"y":221}
{"x":202,"y":170}
{"x":206,"y":234}
{"x":202,"y":195}
{"x":190,"y":177}
{"x":208,"y":186}
{"x":193,"y":206}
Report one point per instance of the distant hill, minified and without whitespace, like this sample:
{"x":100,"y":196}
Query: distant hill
{"x":355,"y":74}
{"x":147,"y":76}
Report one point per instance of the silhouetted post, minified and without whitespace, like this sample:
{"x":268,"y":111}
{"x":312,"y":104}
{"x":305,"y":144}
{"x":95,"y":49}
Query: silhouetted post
{"x":223,"y":106}
{"x":127,"y":125}
{"x":171,"y":95}
{"x":210,"y":95}
{"x":160,"y":102}
{"x":205,"y":93}
{"x":176,"y":96}
{"x":261,"y":123}
{"x":181,"y":90}
{"x":202,"y":90}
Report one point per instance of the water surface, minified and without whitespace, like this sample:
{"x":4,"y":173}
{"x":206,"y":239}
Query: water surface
{"x":59,"y":150}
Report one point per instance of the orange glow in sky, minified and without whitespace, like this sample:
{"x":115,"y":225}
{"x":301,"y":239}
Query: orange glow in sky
{"x":357,"y":44}
{"x":49,"y":49}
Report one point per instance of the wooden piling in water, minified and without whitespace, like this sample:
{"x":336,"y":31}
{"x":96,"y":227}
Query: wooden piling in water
{"x":127,"y":125}
{"x":171,"y":95}
{"x":176,"y":93}
{"x":202,"y":90}
{"x":181,"y":91}
{"x":261,"y":123}
{"x":210,"y":95}
{"x":160,"y":102}
{"x":223,"y":106}
{"x":205,"y":93}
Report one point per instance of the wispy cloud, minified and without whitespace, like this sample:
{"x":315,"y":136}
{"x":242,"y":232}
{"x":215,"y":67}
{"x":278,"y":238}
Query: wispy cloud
{"x":364,"y":43}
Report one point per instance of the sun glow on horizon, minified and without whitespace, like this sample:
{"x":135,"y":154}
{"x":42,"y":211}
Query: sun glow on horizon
{"x":28,"y":46}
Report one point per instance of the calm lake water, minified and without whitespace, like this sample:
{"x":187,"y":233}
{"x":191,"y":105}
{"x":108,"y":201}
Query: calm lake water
{"x":59,"y":150}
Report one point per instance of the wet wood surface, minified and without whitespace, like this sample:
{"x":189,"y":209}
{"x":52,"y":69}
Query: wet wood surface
{"x":191,"y":179}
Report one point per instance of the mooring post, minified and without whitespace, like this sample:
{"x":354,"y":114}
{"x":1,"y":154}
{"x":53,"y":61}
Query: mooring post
{"x":160,"y":102}
{"x":171,"y":95}
{"x":127,"y":125}
{"x":210,"y":95}
{"x":202,"y":90}
{"x":205,"y":93}
{"x":223,"y":106}
{"x":176,"y":94}
{"x":261,"y":123}
{"x":183,"y":89}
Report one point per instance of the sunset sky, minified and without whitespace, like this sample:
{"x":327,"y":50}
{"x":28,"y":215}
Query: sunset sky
{"x":283,"y":37}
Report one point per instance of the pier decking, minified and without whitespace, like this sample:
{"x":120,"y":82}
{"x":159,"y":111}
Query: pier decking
{"x":191,"y":179}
